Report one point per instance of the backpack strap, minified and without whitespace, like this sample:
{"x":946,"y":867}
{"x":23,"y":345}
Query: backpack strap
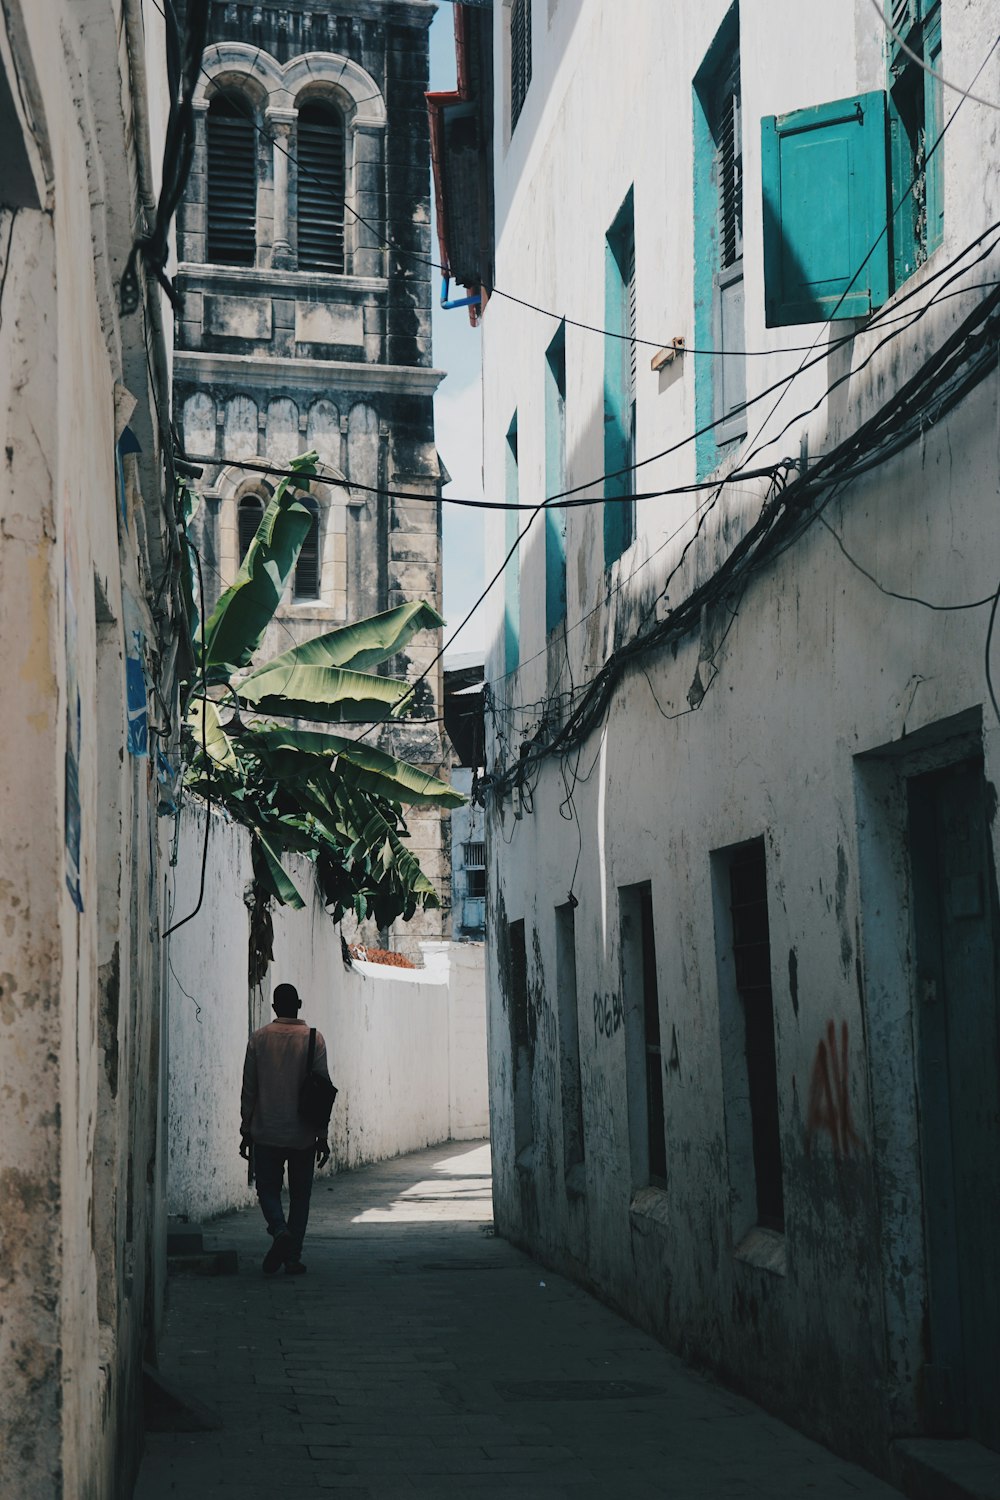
{"x":312,"y":1049}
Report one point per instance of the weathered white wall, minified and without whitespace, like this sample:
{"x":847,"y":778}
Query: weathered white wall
{"x":817,"y":668}
{"x":407,"y":1047}
{"x":80,"y":991}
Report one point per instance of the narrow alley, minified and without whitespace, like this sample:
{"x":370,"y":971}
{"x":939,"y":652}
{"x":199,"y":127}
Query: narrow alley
{"x":421,"y":1356}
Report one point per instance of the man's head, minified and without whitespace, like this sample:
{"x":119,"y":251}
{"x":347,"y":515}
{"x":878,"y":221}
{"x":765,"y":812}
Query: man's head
{"x":286,"y":1001}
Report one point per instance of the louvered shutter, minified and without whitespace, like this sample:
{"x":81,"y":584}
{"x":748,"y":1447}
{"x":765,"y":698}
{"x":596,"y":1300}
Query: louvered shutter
{"x":632,"y":331}
{"x":729,"y":168}
{"x":232,"y":183}
{"x":251,"y":511}
{"x":321,"y":189}
{"x":520,"y":56}
{"x":631,"y":328}
{"x":307,"y":568}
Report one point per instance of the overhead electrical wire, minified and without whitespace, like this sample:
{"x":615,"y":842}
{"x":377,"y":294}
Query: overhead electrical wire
{"x":718,"y":484}
{"x":964,"y":360}
{"x":921,"y":62}
{"x":386,"y":243}
{"x":183,"y":66}
{"x":918,"y":176}
{"x":565,"y":500}
{"x":399,"y":250}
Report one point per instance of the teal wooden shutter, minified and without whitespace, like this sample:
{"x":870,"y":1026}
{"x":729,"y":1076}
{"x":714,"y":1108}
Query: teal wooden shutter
{"x":825,"y":182}
{"x":619,"y":426}
{"x":512,"y":573}
{"x":555,"y":480}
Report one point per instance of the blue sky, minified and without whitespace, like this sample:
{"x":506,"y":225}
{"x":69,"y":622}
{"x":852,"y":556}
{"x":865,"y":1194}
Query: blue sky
{"x":458,"y":414}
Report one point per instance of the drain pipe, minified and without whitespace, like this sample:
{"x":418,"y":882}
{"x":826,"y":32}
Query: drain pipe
{"x":449,"y":303}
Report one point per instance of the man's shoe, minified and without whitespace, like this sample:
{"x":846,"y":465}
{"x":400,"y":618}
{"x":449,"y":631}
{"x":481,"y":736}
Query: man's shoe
{"x":294,"y":1268}
{"x":279,"y":1252}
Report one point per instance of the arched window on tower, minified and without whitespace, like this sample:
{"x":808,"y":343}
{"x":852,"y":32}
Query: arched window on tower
{"x":232,"y":181}
{"x":250,"y":513}
{"x":321,"y":188}
{"x":306,"y":585}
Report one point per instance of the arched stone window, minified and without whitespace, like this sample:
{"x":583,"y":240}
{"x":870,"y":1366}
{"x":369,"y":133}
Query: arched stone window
{"x":306,"y":584}
{"x":250,"y":514}
{"x":232,"y":181}
{"x":321,"y":188}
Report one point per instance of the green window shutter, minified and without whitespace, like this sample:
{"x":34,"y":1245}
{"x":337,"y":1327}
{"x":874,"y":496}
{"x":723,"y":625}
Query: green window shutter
{"x":825,"y":184}
{"x":933,"y":126}
{"x":512,"y":573}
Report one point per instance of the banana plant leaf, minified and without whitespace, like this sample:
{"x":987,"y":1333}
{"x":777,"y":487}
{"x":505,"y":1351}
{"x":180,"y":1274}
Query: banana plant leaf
{"x":378,"y":833}
{"x":360,"y":646}
{"x":269,"y":874}
{"x":326,"y":694}
{"x":244,"y":611}
{"x":202,"y":720}
{"x":366,"y":768}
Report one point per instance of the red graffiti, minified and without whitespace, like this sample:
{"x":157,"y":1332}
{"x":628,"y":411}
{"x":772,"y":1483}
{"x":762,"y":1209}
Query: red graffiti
{"x":829,"y":1094}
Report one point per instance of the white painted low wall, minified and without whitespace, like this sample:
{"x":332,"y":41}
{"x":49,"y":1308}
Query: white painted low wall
{"x":407,"y":1048}
{"x":470,"y":1104}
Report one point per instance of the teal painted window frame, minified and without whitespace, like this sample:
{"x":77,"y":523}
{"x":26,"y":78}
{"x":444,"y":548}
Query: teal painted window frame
{"x":512,"y":572}
{"x":555,"y":479}
{"x":619,"y":409}
{"x":916,"y":117}
{"x":720,"y":380}
{"x":816,"y":222}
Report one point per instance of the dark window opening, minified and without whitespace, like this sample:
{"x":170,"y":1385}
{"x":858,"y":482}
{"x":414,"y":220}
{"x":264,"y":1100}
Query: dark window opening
{"x":644,"y":1054}
{"x":752,"y":960}
{"x":521,"y":1039}
{"x":321,"y":187}
{"x":475,"y":883}
{"x":520,"y":57}
{"x":474,"y":853}
{"x":655,"y":1122}
{"x":571,"y":1083}
{"x":232,"y":182}
{"x":250,"y":515}
{"x":306,"y":584}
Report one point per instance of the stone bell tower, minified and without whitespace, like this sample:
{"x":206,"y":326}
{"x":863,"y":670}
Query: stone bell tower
{"x":304,"y":241}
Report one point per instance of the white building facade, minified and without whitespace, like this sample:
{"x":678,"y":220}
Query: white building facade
{"x":741,"y":826}
{"x":93,"y":647}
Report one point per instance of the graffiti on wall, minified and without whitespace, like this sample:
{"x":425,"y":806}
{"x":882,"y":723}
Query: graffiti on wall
{"x":609,"y":1015}
{"x":830,"y":1094}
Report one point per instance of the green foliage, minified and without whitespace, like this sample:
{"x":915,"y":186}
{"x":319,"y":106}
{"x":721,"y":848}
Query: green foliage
{"x":337,"y":801}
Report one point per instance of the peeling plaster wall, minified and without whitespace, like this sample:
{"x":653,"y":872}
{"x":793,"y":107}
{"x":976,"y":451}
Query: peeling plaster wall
{"x":79,"y":989}
{"x":815,"y":669}
{"x":407,"y":1048}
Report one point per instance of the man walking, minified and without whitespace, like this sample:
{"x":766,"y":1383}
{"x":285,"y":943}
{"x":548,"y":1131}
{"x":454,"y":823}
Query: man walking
{"x":273,"y":1129}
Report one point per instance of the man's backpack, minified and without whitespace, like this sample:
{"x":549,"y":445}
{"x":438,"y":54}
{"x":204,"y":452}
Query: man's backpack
{"x":316,"y":1094}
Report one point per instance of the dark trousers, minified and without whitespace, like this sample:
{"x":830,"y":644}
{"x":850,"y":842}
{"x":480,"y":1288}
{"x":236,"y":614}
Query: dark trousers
{"x":269,"y":1166}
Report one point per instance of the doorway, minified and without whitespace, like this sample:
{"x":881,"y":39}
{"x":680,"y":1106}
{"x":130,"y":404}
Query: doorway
{"x":955,"y":933}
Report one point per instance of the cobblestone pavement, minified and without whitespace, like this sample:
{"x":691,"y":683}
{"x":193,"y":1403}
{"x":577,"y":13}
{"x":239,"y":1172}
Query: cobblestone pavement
{"x":420,"y":1356}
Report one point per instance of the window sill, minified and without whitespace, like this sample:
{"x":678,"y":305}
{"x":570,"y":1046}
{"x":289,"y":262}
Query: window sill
{"x":311,"y":609}
{"x":765,"y":1249}
{"x":649,"y":1208}
{"x":276,"y":277}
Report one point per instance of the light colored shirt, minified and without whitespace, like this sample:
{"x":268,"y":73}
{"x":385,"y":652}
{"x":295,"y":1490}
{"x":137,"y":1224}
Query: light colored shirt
{"x":273,"y":1070}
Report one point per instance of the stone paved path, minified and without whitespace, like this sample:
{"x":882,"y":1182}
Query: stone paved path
{"x":420,"y":1356}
